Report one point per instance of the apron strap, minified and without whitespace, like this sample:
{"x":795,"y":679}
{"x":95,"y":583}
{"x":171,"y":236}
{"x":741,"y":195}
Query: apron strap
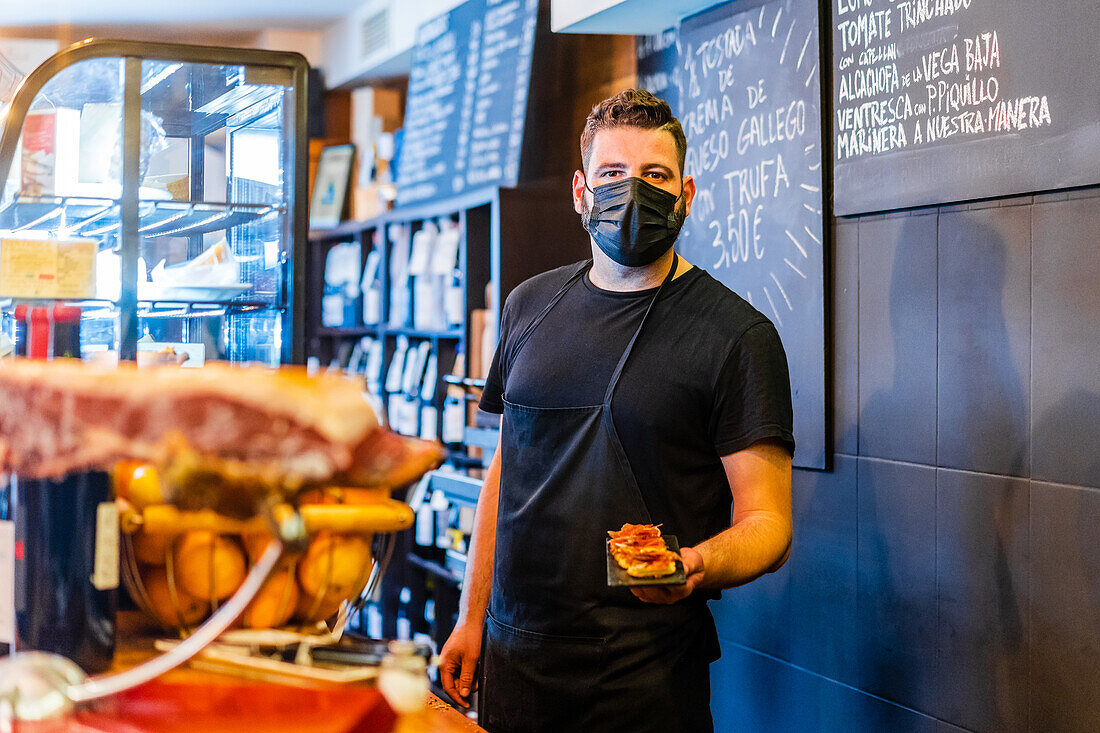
{"x":526,"y":334}
{"x":630,"y":347}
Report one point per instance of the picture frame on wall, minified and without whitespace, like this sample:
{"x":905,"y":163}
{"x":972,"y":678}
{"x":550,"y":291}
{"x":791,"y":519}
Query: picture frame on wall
{"x":328,"y":202}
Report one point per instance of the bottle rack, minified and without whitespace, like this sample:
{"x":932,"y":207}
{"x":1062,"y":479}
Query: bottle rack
{"x":505,"y":236}
{"x":508,"y":236}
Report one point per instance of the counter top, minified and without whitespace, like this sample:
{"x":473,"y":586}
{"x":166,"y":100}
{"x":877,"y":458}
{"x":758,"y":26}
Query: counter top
{"x":188,"y":699}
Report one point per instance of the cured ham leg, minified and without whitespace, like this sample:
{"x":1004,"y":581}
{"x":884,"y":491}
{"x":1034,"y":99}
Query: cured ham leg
{"x":223,"y":436}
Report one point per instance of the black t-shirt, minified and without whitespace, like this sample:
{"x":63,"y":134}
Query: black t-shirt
{"x":707,"y":377}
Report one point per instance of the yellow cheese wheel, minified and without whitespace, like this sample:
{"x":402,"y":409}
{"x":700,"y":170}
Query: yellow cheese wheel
{"x":274,"y":604}
{"x":171,"y":606}
{"x":151,"y":549}
{"x":311,"y":609}
{"x":255,"y":543}
{"x":208,"y":566}
{"x":334,"y":566}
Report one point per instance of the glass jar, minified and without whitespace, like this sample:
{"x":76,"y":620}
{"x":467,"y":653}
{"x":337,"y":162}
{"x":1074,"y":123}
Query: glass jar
{"x":403,"y":677}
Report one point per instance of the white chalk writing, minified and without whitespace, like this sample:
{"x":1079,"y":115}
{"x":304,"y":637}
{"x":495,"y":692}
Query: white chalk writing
{"x":907,"y":75}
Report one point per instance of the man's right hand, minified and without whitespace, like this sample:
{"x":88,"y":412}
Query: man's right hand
{"x":458,"y":662}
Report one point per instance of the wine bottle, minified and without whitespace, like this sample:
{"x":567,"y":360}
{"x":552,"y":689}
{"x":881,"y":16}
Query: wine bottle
{"x":7,"y":526}
{"x":7,"y":570}
{"x":65,"y":580}
{"x":66,"y":542}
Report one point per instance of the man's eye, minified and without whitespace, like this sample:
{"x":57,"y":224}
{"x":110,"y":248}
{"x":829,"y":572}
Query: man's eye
{"x":610,"y":174}
{"x":657,"y":175}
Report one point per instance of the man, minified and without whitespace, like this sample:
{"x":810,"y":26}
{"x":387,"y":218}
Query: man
{"x":635,"y":388}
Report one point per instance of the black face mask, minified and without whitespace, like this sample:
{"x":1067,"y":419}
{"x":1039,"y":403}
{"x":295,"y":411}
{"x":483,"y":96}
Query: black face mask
{"x":633,"y":221}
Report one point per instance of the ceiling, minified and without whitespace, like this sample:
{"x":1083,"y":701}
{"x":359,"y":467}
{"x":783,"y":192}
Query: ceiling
{"x":209,"y":15}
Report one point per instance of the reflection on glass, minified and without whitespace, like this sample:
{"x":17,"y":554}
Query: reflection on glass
{"x":10,"y":78}
{"x":221,"y":239}
{"x":70,"y":142}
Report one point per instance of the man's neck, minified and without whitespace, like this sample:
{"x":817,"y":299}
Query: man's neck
{"x":607,"y":274}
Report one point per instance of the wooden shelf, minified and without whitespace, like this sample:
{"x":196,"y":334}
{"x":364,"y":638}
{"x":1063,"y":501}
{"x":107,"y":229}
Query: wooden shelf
{"x":434,"y":568}
{"x":453,"y":333}
{"x":347,"y":332}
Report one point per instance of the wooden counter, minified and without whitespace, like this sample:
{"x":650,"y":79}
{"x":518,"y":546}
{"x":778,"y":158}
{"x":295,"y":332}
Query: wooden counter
{"x":188,"y":699}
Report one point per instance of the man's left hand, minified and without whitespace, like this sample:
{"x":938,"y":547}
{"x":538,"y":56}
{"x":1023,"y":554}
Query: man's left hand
{"x":665,"y":594}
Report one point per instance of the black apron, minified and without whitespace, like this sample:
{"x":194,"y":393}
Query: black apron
{"x":563,"y":651}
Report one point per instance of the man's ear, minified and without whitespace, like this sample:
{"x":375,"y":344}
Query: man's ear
{"x":578,"y":191}
{"x":689,"y":194}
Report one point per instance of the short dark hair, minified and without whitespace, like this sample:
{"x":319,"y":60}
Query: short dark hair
{"x":633,"y":108}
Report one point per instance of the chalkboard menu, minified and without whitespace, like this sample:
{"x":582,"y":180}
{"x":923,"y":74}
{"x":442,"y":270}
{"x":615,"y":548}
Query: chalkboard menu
{"x":744,"y":80}
{"x":467,"y":100}
{"x":948,"y":100}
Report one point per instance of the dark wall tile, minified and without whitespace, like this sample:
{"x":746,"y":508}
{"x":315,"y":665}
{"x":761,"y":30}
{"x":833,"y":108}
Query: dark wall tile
{"x":944,"y":343}
{"x":845,"y":321}
{"x":757,"y":614}
{"x":1065,"y":444}
{"x":983,"y":421}
{"x":981,"y":586}
{"x":751,"y":692}
{"x":896,"y":581}
{"x":841,"y":708}
{"x":897,"y":338}
{"x":1066,"y":195}
{"x":944,"y":727}
{"x":823,"y":571}
{"x":1065,"y":608}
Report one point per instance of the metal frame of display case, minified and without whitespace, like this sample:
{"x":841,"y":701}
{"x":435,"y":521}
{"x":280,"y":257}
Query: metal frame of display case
{"x":295,"y":152}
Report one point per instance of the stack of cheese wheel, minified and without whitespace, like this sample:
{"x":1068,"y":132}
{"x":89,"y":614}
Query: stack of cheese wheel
{"x":180,"y":566}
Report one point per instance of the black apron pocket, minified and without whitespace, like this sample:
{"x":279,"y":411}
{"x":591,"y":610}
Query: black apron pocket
{"x":534,"y":682}
{"x":660,"y":655}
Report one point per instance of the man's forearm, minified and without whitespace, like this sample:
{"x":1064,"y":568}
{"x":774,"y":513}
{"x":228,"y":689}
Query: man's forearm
{"x":756,"y":544}
{"x":478,"y":583}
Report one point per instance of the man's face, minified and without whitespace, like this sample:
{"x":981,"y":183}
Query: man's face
{"x":632,"y":152}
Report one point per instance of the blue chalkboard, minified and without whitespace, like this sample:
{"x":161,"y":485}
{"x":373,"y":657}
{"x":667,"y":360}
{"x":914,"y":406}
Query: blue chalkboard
{"x":744,"y":79}
{"x":467,"y":100}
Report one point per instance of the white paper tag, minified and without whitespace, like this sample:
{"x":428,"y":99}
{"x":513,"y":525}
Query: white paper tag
{"x":372,"y":306}
{"x":410,"y":414}
{"x":393,"y":410}
{"x":423,"y":243}
{"x":105,"y":571}
{"x":431,"y":376}
{"x":445,"y":256}
{"x":414,"y":366}
{"x":455,"y":304}
{"x":397,"y":366}
{"x":454,"y":422}
{"x":429,"y":422}
{"x":7,"y":582}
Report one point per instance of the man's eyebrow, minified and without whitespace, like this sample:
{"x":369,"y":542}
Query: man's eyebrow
{"x":658,"y":166}
{"x":611,"y":167}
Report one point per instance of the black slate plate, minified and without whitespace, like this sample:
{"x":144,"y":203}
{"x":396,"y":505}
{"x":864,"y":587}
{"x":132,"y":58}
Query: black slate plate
{"x":617,"y":576}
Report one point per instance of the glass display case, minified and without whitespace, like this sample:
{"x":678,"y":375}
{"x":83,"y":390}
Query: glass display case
{"x":160,"y":190}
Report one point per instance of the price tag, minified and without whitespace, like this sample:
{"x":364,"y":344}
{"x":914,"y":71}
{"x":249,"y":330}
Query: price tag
{"x":105,"y":570}
{"x":47,"y":268}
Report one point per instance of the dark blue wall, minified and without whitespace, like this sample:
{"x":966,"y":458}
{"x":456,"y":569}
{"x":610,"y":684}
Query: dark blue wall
{"x":945,"y":574}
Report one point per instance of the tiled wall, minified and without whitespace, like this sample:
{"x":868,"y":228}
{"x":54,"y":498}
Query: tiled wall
{"x":945,"y":573}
